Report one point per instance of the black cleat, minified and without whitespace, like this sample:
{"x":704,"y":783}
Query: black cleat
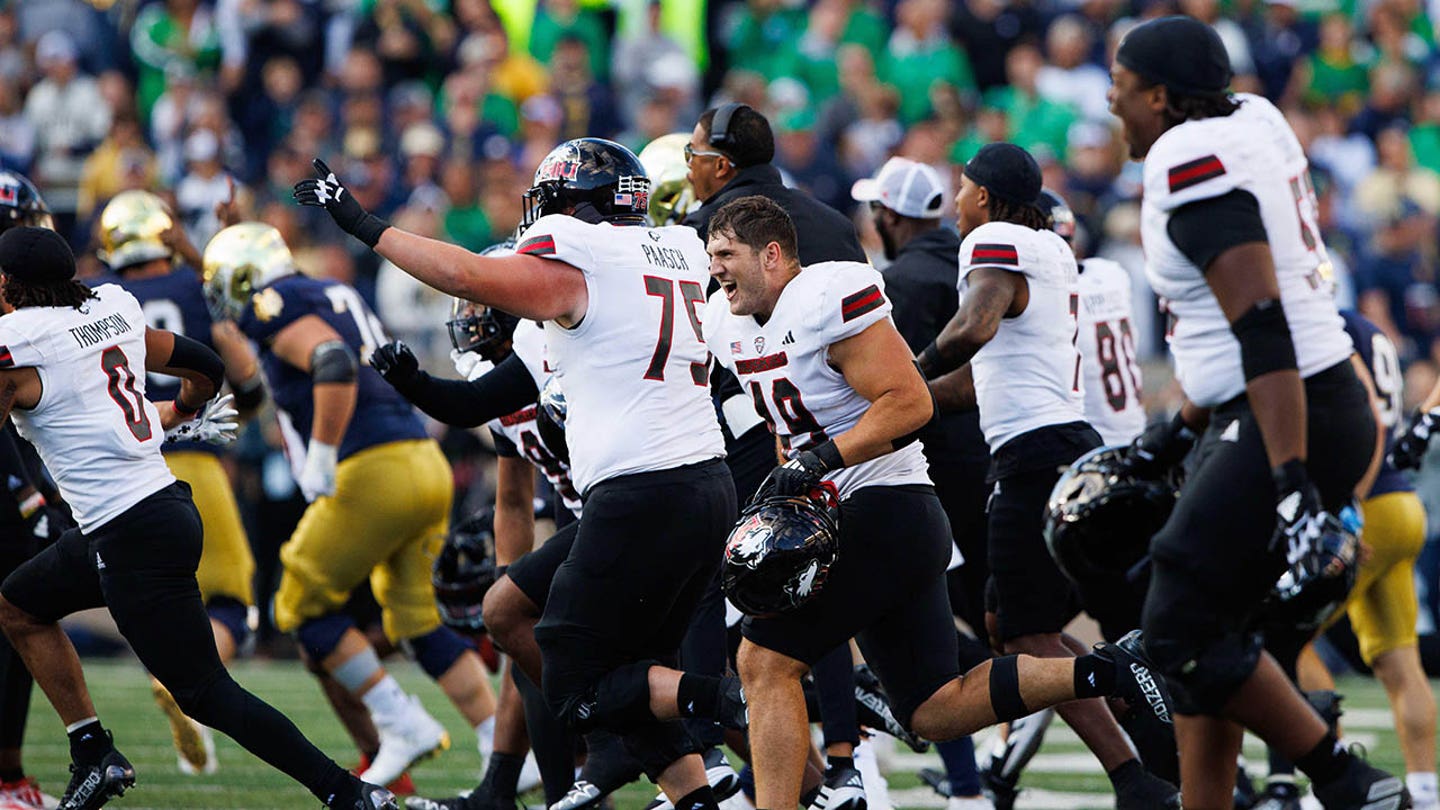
{"x":1136,"y":681}
{"x":872,"y":709}
{"x":1147,"y":792}
{"x":372,"y":797}
{"x":1002,"y":790}
{"x":843,"y":789}
{"x":937,"y":780}
{"x":1245,"y":795}
{"x":1279,"y":795}
{"x":91,"y":786}
{"x":732,"y":712}
{"x":582,"y":796}
{"x":476,"y":799}
{"x":1363,"y":787}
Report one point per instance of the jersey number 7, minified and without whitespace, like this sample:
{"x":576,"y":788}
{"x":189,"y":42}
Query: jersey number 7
{"x":693,"y":296}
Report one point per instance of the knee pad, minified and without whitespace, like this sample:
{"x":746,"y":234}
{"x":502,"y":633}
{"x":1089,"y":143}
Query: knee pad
{"x":232,"y":614}
{"x":320,"y":636}
{"x":618,"y":702}
{"x":437,"y":650}
{"x":658,"y":745}
{"x":1202,"y":675}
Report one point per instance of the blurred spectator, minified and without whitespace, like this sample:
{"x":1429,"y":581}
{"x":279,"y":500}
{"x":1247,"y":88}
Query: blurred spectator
{"x":798,"y":154}
{"x":1237,"y":44}
{"x":589,"y":107}
{"x":70,"y":118}
{"x":406,"y":36}
{"x":650,"y":61}
{"x":204,"y":186}
{"x":421,"y":146}
{"x":121,"y":162}
{"x":410,"y":310}
{"x":471,"y":109}
{"x":270,"y":114}
{"x":1036,"y":123}
{"x":465,"y":222}
{"x":922,"y":60}
{"x":17,"y":132}
{"x":175,"y":31}
{"x":987,"y":29}
{"x":1281,"y":39}
{"x":1337,"y":73}
{"x":252,"y":32}
{"x":14,"y":67}
{"x":82,"y":21}
{"x":1391,"y":87}
{"x":1069,"y":79}
{"x":763,"y":38}
{"x":514,"y":75}
{"x":830,"y":25}
{"x":540,"y":128}
{"x":559,"y":20}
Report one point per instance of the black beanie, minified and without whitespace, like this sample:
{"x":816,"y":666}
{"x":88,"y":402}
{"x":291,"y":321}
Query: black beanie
{"x":1182,"y":53}
{"x":36,"y":255}
{"x":1007,"y":171}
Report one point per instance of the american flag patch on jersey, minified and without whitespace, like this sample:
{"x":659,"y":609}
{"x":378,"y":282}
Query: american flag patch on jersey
{"x":868,"y":299}
{"x":995,"y":254}
{"x":6,"y":360}
{"x":543,"y":245}
{"x":736,"y":347}
{"x":1195,"y":172}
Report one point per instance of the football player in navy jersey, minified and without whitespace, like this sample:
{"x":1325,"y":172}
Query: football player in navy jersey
{"x":132,"y":229}
{"x":379,"y":491}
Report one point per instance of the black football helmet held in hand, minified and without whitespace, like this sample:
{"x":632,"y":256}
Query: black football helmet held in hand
{"x":779,"y":554}
{"x":481,"y":329}
{"x":593,"y":179}
{"x":1318,"y":580}
{"x":464,"y":572}
{"x":1100,"y":517}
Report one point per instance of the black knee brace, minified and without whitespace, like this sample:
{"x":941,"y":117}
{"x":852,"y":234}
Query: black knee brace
{"x":618,"y":702}
{"x":658,"y":745}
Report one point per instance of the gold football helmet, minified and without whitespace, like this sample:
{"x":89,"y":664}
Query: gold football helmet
{"x":671,"y":196}
{"x":239,"y":261}
{"x":130,"y":230}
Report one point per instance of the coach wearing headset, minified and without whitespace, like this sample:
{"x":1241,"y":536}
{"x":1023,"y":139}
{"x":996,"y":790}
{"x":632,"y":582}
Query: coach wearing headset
{"x":729,"y":156}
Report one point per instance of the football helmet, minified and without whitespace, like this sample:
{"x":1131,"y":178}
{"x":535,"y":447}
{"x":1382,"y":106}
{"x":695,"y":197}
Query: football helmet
{"x":241,"y":260}
{"x":486,"y":330}
{"x":779,"y":553}
{"x":1062,"y":219}
{"x":464,"y":572}
{"x":550,"y":419}
{"x":671,"y":195}
{"x":1316,"y":584}
{"x":1100,"y":517}
{"x":21,"y":203}
{"x":601,"y":179}
{"x":130,"y":230}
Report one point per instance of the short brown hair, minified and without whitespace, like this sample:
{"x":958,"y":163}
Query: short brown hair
{"x":756,"y":221}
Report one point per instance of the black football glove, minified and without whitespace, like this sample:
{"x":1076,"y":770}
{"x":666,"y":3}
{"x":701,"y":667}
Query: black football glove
{"x":396,"y":363}
{"x":798,"y":476}
{"x":1161,"y":447}
{"x":1301,"y":519}
{"x":326,"y":191}
{"x":1409,"y":450}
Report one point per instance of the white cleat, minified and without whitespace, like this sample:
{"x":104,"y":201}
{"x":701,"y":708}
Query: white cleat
{"x":405,"y":739}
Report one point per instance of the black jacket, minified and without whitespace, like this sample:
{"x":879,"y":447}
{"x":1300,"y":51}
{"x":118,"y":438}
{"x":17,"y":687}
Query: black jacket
{"x":922,"y":285}
{"x":825,"y":235}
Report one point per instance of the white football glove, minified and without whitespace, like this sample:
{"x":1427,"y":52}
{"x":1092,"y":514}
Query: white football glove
{"x":317,"y":477}
{"x":215,"y":423}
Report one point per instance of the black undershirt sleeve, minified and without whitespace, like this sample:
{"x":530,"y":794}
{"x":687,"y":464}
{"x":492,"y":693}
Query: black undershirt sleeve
{"x":504,"y":390}
{"x":1204,"y":229}
{"x":503,"y":446}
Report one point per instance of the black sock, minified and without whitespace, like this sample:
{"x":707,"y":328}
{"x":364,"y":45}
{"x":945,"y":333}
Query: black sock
{"x":701,"y":798}
{"x":809,"y":798}
{"x":11,"y":774}
{"x":502,"y":775}
{"x":698,"y":695}
{"x":1094,"y":677}
{"x":89,"y":742}
{"x":1325,"y":762}
{"x":1127,"y":770}
{"x":836,"y":763}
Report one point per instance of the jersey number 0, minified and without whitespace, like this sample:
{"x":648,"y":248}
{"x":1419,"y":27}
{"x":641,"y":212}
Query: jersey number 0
{"x":122,"y":389}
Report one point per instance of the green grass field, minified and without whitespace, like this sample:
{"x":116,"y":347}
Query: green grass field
{"x":1063,"y":776}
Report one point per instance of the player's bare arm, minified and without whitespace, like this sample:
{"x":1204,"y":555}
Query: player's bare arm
{"x":514,"y":508}
{"x":242,"y":368}
{"x":993,"y":294}
{"x":19,"y":387}
{"x":201,"y":372}
{"x":297,"y":344}
{"x":1243,"y":281}
{"x":875,"y":363}
{"x":954,"y":391}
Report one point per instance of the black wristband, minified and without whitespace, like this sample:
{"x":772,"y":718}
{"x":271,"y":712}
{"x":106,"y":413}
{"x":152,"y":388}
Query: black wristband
{"x":185,"y":410}
{"x":1179,"y":429}
{"x":369,"y":229}
{"x":829,"y":455}
{"x":929,"y":360}
{"x":1290,"y":476}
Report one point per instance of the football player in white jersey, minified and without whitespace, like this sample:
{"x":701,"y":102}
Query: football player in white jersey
{"x":73,"y":365}
{"x":1016,"y":332}
{"x":645,"y":448}
{"x":832,"y":377}
{"x":1231,"y":242}
{"x":1110,"y":372}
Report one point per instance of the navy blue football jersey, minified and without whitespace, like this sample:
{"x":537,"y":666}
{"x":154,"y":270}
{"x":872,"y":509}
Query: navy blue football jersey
{"x":381,"y":414}
{"x":174,"y":302}
{"x":1384,"y":363}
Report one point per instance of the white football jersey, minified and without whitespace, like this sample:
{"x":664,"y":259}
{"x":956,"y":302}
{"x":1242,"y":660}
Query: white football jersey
{"x":1254,"y":150}
{"x":97,"y":434}
{"x":519,"y":428}
{"x":635,"y":369}
{"x":785,"y":365}
{"x":1028,"y":375}
{"x":1110,"y":374}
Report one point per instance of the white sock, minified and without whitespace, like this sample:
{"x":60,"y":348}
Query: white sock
{"x":386,"y":698}
{"x":1423,"y":786}
{"x":485,"y":736}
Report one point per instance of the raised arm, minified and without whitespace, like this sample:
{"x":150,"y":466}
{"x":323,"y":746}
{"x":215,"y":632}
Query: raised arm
{"x":992,"y":294}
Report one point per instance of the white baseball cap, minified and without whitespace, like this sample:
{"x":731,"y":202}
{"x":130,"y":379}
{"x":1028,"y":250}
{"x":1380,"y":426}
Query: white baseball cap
{"x":909,"y":188}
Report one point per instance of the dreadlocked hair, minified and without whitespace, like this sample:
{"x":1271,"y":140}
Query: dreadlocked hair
{"x":1030,"y":215}
{"x":69,"y":293}
{"x":1180,"y":108}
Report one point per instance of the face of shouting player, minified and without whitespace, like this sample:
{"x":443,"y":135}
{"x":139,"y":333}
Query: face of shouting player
{"x":1140,"y":108}
{"x":750,"y":279}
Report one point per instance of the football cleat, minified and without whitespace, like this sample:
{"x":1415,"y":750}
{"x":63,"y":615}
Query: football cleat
{"x":372,"y":797}
{"x":936,"y":780}
{"x":470,"y":800}
{"x":1363,"y":787}
{"x":92,"y":785}
{"x":724,"y":781}
{"x":1279,"y":794}
{"x":843,"y":789}
{"x":194,"y":743}
{"x":405,"y":739}
{"x":872,"y":709}
{"x":24,"y":794}
{"x":1147,"y":792}
{"x":1245,"y":794}
{"x":582,"y":796}
{"x":1000,"y":771}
